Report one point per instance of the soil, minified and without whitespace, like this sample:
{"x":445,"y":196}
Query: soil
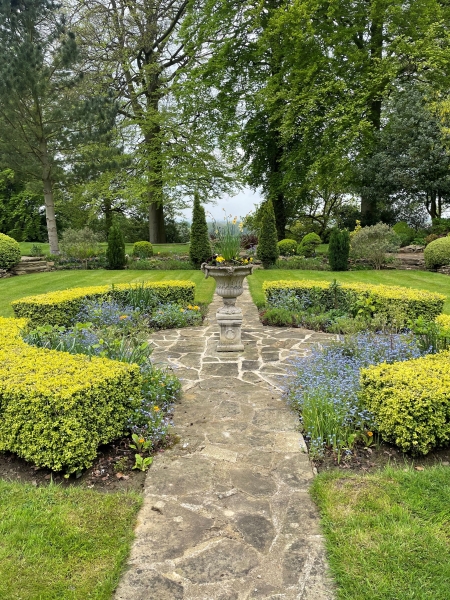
{"x":365,"y":460}
{"x":112,"y":470}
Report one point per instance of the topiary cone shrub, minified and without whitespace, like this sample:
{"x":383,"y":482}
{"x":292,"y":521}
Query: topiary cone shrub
{"x":437,"y":253}
{"x":339,"y":249}
{"x":9,"y":252}
{"x":267,"y":251}
{"x":200,"y":247}
{"x":115,"y":254}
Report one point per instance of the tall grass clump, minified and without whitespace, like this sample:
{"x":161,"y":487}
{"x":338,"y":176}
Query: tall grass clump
{"x":326,"y":388}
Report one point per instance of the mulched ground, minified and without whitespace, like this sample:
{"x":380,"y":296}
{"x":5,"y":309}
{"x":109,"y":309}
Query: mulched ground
{"x":112,"y":470}
{"x":365,"y":460}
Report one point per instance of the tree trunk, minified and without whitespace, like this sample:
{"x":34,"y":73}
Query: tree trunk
{"x":157,"y":231}
{"x":275,"y":182}
{"x":107,"y":211}
{"x":368,"y":204}
{"x":48,"y":199}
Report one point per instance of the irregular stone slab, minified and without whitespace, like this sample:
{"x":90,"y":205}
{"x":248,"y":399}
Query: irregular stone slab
{"x":222,"y":560}
{"x":256,"y":530}
{"x":251,"y":483}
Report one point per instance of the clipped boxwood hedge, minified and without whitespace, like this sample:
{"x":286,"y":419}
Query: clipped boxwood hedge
{"x":437,"y":253}
{"x":9,"y":252}
{"x":410,"y":401}
{"x":413,"y":303}
{"x":142,"y":250}
{"x":61,"y":307}
{"x":56,"y":408}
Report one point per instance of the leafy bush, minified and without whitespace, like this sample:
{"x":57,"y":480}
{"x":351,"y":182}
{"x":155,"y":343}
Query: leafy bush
{"x":373,"y":243}
{"x":390,"y":300}
{"x":430,"y":238}
{"x":115,"y":254}
{"x":9,"y":252}
{"x":404,"y":232}
{"x":142,"y":250}
{"x":308,"y":245}
{"x":411,"y":401}
{"x":267,"y":251}
{"x":168,"y":316}
{"x":327,"y":383}
{"x":79,"y":244}
{"x":62,"y":307}
{"x":339,"y":249}
{"x":287,"y":247}
{"x":279,"y":317}
{"x":437,"y":253}
{"x":200,"y":247}
{"x":58,"y":408}
{"x":172,"y":264}
{"x":36,"y":250}
{"x":302,"y":263}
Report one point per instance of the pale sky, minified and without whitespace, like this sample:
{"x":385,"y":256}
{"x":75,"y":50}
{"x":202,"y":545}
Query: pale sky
{"x":238,"y":206}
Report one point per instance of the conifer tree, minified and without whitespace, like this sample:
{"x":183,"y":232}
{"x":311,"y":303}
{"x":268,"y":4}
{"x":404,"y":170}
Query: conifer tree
{"x":268,"y":251}
{"x":200,"y":247}
{"x":115,"y":253}
{"x":339,"y":249}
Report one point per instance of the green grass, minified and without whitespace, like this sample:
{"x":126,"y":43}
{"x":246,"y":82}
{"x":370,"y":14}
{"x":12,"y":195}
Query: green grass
{"x":63,"y":543}
{"x":40,"y":283}
{"x":25,"y":248}
{"x":433,"y":282}
{"x":387,"y":534}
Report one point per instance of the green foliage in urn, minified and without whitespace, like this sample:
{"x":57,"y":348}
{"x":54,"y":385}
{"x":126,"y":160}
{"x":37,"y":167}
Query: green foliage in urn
{"x":115,"y":253}
{"x":268,"y":251}
{"x":200,"y":247}
{"x":339,"y":249}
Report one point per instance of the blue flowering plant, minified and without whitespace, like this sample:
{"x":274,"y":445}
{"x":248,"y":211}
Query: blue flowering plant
{"x":325,"y":389}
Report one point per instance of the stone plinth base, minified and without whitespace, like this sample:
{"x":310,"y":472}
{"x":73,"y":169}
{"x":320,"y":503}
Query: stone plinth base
{"x":229,"y":319}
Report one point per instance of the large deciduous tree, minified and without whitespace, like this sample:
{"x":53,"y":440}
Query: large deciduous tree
{"x":135,"y":46}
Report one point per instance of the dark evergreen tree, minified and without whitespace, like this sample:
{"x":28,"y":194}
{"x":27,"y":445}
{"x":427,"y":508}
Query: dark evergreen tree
{"x":200,"y":248}
{"x":115,"y":253}
{"x":339,"y":249}
{"x":268,"y":251}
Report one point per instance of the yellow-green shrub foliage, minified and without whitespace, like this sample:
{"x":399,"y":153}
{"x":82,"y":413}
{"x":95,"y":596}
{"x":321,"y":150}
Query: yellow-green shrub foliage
{"x":411,"y":401}
{"x":61,"y":307}
{"x":391,"y":300}
{"x":57,"y":408}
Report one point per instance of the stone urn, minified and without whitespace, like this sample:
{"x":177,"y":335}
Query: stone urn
{"x":229,"y":285}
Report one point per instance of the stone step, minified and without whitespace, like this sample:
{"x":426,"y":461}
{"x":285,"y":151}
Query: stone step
{"x":28,"y":259}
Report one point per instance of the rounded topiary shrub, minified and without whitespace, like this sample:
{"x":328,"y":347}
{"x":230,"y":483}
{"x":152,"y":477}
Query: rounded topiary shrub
{"x":9,"y":252}
{"x":287,"y":247}
{"x":437,"y":253}
{"x":142,"y":250}
{"x":308,"y":245}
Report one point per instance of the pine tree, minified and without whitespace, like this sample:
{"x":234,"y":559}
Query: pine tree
{"x":115,"y":253}
{"x":339,"y":249}
{"x":268,"y":251}
{"x":200,"y":248}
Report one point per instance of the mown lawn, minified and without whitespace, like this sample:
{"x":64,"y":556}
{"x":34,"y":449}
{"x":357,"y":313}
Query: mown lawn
{"x":387,"y":534}
{"x":25,"y":248}
{"x":39,"y":283}
{"x":433,"y":282}
{"x":63,"y":543}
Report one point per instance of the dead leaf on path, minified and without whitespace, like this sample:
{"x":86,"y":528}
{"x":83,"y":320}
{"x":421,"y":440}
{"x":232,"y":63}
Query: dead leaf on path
{"x":419,"y":468}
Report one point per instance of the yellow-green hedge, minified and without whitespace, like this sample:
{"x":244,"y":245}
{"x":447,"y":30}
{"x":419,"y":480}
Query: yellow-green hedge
{"x":57,"y":408}
{"x":411,"y":401}
{"x":61,"y":307}
{"x":391,"y":299}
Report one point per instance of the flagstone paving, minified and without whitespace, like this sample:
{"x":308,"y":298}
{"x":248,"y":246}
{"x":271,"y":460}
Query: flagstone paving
{"x":227,"y":515}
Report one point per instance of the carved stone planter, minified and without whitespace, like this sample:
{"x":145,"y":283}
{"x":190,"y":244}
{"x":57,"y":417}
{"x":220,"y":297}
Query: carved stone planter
{"x":229,"y":285}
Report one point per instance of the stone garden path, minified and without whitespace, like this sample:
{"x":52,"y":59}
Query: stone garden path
{"x":227,"y":515}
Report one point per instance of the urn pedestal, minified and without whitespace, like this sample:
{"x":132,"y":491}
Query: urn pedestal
{"x":229,"y":285}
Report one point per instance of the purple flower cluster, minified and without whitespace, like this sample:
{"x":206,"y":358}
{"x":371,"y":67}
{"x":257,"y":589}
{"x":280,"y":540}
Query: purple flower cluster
{"x":327,"y":383}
